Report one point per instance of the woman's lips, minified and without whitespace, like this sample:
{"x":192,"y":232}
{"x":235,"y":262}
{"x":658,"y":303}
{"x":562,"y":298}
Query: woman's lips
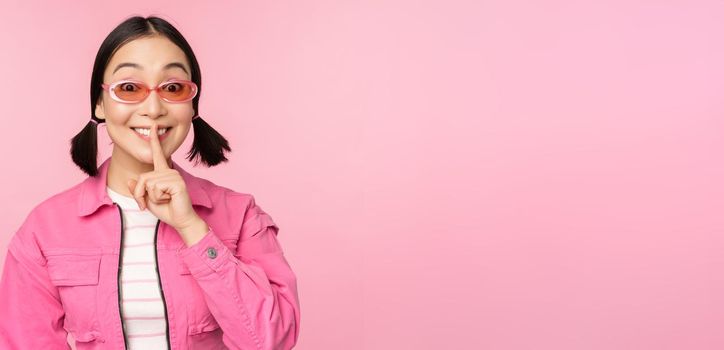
{"x":148,"y":138}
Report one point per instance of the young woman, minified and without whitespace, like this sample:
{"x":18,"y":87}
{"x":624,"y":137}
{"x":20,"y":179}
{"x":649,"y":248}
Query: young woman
{"x":142,"y":254}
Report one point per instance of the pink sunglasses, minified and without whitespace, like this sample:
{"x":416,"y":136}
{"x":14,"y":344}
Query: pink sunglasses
{"x":134,"y":91}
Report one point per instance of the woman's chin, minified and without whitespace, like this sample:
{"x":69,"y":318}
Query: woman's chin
{"x":145,"y":158}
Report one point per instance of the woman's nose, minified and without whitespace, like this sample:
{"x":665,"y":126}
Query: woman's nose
{"x":152,"y":106}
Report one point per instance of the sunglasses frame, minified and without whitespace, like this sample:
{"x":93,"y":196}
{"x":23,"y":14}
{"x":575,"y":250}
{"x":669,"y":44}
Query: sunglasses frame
{"x":111,"y":89}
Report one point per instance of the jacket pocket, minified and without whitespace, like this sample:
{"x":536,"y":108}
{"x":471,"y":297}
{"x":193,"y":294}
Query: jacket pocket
{"x":88,"y":340}
{"x":207,"y":324}
{"x":76,"y":276}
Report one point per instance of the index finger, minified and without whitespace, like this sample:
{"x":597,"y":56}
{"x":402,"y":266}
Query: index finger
{"x":159,"y":159}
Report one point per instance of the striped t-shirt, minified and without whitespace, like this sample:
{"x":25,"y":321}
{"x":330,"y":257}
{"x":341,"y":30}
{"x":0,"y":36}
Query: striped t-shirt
{"x":142,"y":308}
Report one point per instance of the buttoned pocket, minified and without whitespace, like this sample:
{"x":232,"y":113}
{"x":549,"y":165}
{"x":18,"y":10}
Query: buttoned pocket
{"x":88,"y":340}
{"x":206,"y":324}
{"x":76,"y":276}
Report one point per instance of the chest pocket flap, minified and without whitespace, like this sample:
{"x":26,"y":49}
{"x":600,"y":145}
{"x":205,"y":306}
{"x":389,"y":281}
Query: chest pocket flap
{"x":74,"y":269}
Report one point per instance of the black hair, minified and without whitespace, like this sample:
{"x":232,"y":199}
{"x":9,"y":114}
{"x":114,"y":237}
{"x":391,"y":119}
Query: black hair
{"x":207,"y":143}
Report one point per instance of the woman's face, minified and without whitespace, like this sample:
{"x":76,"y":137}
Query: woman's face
{"x":151,"y":55}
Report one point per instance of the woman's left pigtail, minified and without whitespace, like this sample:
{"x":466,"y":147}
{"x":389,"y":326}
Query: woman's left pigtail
{"x":208,"y":144}
{"x":84,"y":147}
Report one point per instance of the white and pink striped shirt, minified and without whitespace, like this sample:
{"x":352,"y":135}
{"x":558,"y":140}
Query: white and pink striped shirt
{"x":142,"y":308}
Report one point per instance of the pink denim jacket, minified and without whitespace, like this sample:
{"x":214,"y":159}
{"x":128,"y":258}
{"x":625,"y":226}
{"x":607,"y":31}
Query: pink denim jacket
{"x":61,"y":275}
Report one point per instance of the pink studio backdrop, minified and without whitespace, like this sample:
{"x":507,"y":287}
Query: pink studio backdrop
{"x":446,"y":175}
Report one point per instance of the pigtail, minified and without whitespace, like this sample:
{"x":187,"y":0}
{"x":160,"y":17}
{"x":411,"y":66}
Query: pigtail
{"x":208,"y":144}
{"x":84,"y":147}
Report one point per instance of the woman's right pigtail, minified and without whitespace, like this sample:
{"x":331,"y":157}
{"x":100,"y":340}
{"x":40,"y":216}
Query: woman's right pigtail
{"x":84,"y":147}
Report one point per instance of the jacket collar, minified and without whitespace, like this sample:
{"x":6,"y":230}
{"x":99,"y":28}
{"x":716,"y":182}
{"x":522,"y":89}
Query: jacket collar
{"x":93,"y":189}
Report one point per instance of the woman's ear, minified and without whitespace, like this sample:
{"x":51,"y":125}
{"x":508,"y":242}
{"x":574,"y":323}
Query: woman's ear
{"x":100,"y":111}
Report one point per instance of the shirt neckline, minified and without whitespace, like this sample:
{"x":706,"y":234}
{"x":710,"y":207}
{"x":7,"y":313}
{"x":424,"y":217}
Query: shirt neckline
{"x":125,"y":202}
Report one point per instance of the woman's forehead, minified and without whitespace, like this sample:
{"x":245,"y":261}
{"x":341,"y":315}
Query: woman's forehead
{"x":148,"y":56}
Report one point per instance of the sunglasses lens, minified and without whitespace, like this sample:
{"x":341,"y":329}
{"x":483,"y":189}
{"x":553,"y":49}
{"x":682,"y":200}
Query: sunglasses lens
{"x":178,"y":91}
{"x":130,"y":92}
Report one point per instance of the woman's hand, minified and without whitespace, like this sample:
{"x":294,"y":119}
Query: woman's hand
{"x":163,"y":190}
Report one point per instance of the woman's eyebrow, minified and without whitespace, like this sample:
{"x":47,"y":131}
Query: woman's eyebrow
{"x":138,"y":66}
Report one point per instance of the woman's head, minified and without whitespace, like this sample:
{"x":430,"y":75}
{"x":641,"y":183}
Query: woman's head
{"x":149,"y":51}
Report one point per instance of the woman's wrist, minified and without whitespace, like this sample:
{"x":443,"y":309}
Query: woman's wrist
{"x":194,"y":231}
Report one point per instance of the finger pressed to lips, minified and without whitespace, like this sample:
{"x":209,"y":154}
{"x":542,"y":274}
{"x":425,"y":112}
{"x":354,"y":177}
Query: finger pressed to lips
{"x":141,"y":192}
{"x":159,"y":159}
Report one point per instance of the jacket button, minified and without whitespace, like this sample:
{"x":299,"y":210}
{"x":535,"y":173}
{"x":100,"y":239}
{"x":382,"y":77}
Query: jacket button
{"x":211,"y":253}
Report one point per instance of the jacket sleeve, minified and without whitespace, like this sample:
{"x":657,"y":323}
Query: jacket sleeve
{"x":32,"y":314}
{"x":251,"y":292}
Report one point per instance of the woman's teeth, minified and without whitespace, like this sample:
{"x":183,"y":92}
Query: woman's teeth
{"x":147,"y":132}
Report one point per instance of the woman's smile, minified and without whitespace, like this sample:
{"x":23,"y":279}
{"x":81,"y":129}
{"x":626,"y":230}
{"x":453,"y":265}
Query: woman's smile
{"x":145,"y":132}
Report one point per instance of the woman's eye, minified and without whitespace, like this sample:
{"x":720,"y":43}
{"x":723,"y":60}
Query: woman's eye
{"x":173,"y":87}
{"x":128,"y":87}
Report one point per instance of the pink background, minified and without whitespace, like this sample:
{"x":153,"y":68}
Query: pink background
{"x":446,"y":175}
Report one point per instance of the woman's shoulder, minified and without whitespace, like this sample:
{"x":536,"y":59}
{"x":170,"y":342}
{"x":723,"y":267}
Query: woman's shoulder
{"x":227,"y":200}
{"x":221,"y":194}
{"x":58,"y":202}
{"x":243,"y":204}
{"x":45,"y":217}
